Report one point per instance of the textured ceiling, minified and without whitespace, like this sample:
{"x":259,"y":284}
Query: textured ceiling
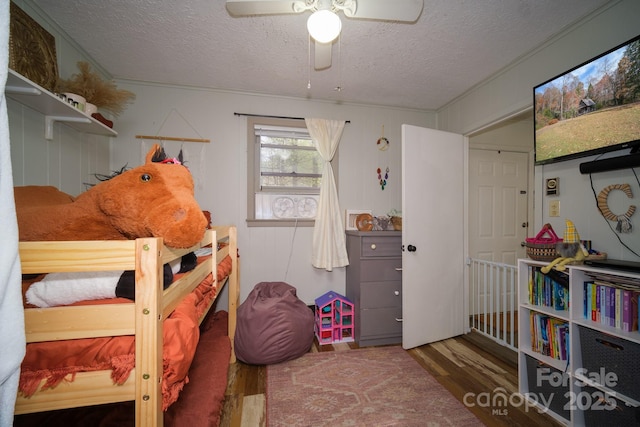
{"x":454,"y":45}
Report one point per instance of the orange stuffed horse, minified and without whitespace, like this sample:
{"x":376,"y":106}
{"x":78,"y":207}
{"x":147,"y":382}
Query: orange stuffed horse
{"x":152,"y":200}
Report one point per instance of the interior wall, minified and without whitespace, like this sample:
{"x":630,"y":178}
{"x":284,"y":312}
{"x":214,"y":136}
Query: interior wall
{"x":219,"y":167}
{"x":71,"y":158}
{"x":511,"y":91}
{"x":514,"y":134}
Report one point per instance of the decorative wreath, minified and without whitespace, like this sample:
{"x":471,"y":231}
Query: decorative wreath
{"x":624,"y":223}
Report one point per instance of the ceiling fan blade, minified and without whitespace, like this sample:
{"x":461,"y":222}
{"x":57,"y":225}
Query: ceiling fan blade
{"x":259,"y":7}
{"x":383,"y":10}
{"x":322,"y":56}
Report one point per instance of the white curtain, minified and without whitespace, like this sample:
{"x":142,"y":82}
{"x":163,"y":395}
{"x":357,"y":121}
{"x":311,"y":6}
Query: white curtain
{"x":12,"y":340}
{"x":329,"y":248}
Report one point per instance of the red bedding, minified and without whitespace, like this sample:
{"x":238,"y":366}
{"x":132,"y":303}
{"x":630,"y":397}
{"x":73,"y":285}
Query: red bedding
{"x":200,"y":402}
{"x":53,"y":361}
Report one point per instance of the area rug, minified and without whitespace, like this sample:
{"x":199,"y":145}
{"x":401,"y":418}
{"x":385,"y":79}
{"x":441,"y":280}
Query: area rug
{"x":382,"y":386}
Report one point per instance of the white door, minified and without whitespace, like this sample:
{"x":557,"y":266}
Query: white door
{"x":497,"y":205}
{"x":434,"y":202}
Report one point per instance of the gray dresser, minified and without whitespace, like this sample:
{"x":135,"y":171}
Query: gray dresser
{"x":374,"y":285}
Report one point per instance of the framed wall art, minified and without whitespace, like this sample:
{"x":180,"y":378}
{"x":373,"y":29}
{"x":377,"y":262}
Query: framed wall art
{"x":32,"y":50}
{"x":350,"y":218}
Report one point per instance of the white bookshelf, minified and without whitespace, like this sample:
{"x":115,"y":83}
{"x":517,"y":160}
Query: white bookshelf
{"x":583,"y":390}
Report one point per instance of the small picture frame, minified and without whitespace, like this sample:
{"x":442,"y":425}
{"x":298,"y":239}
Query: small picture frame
{"x":350,"y":217}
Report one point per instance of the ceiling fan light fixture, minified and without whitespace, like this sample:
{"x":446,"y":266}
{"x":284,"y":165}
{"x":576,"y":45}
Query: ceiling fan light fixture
{"x":324,"y":26}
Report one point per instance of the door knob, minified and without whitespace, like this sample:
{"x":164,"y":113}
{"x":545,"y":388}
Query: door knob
{"x":411,"y":248}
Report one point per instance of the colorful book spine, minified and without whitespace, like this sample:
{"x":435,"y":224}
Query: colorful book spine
{"x":585,"y":298}
{"x":604,"y":305}
{"x":611,"y":309}
{"x":618,"y":321}
{"x":531,"y":278}
{"x":598,"y":312}
{"x":588,"y":305}
{"x":633,"y":307}
{"x":593,"y":301}
{"x":626,"y":310}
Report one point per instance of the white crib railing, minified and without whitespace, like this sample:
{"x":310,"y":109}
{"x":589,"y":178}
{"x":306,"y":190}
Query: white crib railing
{"x":493,"y":300}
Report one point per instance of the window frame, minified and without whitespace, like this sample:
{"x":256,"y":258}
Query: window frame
{"x":253,"y":173}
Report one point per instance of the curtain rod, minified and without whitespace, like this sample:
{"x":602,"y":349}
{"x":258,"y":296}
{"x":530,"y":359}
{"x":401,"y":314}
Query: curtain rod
{"x":274,"y":117}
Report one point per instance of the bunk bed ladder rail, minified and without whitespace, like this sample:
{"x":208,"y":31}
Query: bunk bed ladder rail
{"x":149,"y":328}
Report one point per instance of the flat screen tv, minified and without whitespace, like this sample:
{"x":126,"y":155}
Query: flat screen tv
{"x":590,"y":109}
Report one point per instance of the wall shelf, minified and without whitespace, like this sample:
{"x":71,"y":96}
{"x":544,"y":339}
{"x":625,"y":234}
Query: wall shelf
{"x":54,"y":109}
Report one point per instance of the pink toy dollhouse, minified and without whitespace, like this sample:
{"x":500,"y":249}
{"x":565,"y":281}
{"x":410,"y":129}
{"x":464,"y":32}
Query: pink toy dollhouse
{"x":334,"y":319}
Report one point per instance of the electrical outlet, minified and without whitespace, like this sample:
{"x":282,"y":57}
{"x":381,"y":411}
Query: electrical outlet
{"x":554,"y":208}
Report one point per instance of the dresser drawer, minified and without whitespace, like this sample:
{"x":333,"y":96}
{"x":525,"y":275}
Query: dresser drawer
{"x":381,"y":246}
{"x":381,"y":322}
{"x":381,"y":294}
{"x":378,"y":270}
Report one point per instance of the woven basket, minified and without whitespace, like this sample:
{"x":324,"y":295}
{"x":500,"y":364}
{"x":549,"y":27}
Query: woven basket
{"x":397,"y":223}
{"x":543,"y":246}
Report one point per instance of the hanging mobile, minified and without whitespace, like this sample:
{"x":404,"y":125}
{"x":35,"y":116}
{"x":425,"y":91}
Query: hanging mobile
{"x":383,"y":181}
{"x":383,"y":145}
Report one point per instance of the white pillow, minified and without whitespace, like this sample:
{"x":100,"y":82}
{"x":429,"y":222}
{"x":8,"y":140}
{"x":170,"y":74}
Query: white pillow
{"x":66,"y":288}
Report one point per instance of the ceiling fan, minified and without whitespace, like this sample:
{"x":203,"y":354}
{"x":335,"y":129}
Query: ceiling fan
{"x":324,"y":24}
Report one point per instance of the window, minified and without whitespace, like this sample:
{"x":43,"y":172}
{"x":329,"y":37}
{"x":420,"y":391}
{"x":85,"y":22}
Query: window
{"x":285,"y":172}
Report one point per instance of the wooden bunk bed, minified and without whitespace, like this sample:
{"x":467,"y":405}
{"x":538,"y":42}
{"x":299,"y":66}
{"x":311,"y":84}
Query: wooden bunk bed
{"x":142,"y":318}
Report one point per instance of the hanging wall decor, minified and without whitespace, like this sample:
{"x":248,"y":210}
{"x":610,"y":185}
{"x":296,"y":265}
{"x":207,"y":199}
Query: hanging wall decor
{"x":383,"y":180}
{"x":383,"y":145}
{"x":623,"y":221}
{"x":32,"y":49}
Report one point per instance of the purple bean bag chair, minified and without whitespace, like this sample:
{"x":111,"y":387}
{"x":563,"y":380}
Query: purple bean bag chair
{"x":273,"y":325}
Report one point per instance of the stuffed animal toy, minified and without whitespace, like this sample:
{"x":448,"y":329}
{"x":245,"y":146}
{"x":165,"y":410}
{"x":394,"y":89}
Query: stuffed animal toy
{"x":152,"y":200}
{"x":570,"y":249}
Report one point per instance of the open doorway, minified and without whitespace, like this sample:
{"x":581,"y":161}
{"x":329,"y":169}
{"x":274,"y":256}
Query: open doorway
{"x":500,"y":206}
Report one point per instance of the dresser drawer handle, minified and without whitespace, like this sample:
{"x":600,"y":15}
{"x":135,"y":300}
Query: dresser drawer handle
{"x":373,"y":246}
{"x":398,"y":319}
{"x":396,"y":292}
{"x":398,"y":268}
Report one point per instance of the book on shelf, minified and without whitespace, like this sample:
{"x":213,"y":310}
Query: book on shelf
{"x":611,"y":304}
{"x":618,"y":319}
{"x":598,"y":302}
{"x":549,"y":290}
{"x":549,"y":336}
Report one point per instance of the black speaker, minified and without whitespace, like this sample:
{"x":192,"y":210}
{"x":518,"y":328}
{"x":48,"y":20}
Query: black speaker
{"x":614,"y":163}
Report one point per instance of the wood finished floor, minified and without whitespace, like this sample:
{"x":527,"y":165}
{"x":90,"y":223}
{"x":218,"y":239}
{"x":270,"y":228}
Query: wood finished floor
{"x":459,"y":364}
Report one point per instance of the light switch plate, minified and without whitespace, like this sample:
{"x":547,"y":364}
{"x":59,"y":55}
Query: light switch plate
{"x":554,"y":208}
